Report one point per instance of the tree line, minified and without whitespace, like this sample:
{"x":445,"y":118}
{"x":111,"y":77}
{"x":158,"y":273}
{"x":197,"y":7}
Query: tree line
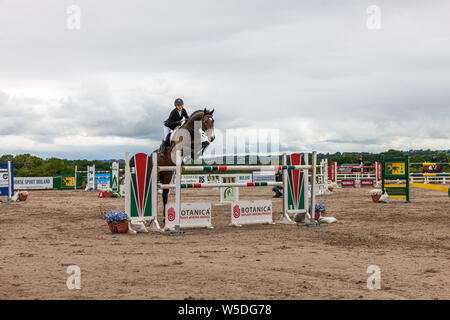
{"x":27,"y":165}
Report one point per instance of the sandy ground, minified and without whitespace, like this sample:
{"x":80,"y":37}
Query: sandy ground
{"x":52,"y":230}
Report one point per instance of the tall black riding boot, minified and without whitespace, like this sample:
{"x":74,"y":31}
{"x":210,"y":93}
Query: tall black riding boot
{"x":162,"y":149}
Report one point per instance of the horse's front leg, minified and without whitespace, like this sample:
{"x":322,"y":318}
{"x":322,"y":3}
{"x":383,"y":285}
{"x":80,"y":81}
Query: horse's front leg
{"x":165,"y":196}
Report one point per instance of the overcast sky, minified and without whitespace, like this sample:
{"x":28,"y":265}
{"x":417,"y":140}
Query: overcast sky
{"x":312,"y":69}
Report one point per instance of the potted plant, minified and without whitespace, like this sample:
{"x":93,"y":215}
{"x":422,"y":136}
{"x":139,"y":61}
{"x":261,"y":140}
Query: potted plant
{"x":117,"y":221}
{"x":107,"y":193}
{"x":376,"y":194}
{"x":23,"y":195}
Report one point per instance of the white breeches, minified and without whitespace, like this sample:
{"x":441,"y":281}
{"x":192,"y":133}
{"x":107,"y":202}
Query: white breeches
{"x":167,"y":131}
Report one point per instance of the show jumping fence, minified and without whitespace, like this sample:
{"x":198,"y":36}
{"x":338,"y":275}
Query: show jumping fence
{"x":142,"y":187}
{"x":353,"y":179}
{"x":395,"y":169}
{"x":438,"y":177}
{"x":91,"y":177}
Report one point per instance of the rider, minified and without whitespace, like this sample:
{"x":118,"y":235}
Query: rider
{"x":172,"y":123}
{"x":434,"y":159}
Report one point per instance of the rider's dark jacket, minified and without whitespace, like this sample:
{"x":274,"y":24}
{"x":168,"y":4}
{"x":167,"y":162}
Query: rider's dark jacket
{"x":174,"y":117}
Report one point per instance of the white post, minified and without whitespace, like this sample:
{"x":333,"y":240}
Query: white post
{"x":88,"y":176}
{"x":285,"y":216}
{"x":114,"y":176}
{"x":154,"y":193}
{"x":10,"y":182}
{"x":178,"y":192}
{"x":75,"y":184}
{"x":322,"y":165}
{"x":306,"y":185}
{"x":376,"y":174}
{"x":93,"y":177}
{"x":127,"y":185}
{"x":313,"y":182}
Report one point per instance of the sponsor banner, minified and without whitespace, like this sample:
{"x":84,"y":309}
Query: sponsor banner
{"x":229,"y":194}
{"x":251,"y":212}
{"x":4,"y":180}
{"x":102,"y":180}
{"x":263,"y":176}
{"x":241,"y":178}
{"x":396,"y":168}
{"x":103,"y":186}
{"x":214,"y":179}
{"x":193,"y":215}
{"x":30,"y":183}
{"x":229,"y":178}
{"x":366,"y":183}
{"x":193,"y":178}
{"x":347,"y":183}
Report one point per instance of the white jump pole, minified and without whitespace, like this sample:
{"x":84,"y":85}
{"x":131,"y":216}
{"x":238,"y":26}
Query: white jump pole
{"x":285,"y":192}
{"x":306,"y":177}
{"x":154,"y":193}
{"x":127,"y":184}
{"x":178,"y":192}
{"x":10,"y":182}
{"x":313,"y":186}
{"x":75,"y":183}
{"x":312,"y":221}
{"x":285,"y":219}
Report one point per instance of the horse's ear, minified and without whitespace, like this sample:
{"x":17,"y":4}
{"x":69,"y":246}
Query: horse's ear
{"x":205,"y":111}
{"x":212,"y":111}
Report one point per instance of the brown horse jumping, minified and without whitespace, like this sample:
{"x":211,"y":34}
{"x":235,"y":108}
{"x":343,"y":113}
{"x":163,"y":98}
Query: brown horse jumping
{"x":207,"y":126}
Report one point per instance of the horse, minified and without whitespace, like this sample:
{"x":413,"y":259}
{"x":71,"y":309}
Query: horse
{"x":431,"y":169}
{"x":357,"y":168}
{"x":207,"y":126}
{"x":360,"y":170}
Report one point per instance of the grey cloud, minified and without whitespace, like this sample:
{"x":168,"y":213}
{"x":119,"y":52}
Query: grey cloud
{"x":310,"y":69}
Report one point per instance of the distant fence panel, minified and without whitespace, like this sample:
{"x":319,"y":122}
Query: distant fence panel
{"x":33,"y":183}
{"x":66,"y":181}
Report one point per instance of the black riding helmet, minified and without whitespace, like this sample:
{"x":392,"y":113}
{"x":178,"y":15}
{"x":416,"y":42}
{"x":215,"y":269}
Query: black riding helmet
{"x":178,"y":101}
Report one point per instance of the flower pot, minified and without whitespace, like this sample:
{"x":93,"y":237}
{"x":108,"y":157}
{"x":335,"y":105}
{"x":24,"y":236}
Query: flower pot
{"x":120,"y":227}
{"x":330,"y":189}
{"x":23,"y":197}
{"x":375,"y":198}
{"x":112,"y":227}
{"x":107,"y":194}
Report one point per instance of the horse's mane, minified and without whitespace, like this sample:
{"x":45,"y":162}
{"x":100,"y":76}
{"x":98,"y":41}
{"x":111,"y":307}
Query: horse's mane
{"x":195,"y":116}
